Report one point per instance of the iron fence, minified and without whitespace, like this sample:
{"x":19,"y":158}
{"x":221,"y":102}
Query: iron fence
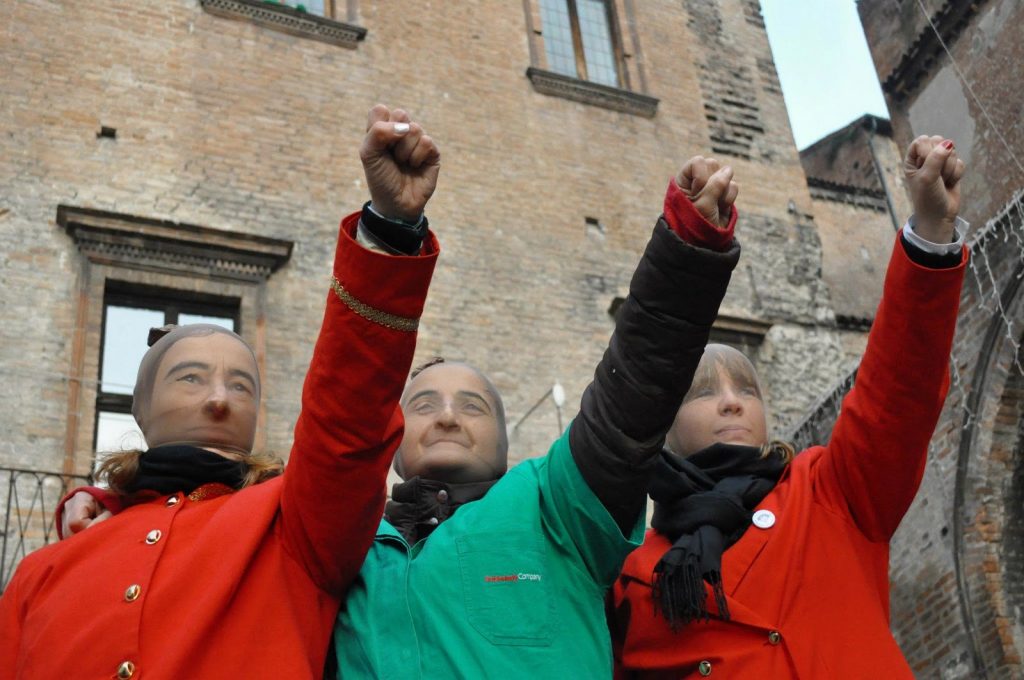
{"x":29,"y":498}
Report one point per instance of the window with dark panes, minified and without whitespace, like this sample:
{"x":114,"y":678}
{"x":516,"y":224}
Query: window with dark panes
{"x":129,"y":312}
{"x":579,"y":39}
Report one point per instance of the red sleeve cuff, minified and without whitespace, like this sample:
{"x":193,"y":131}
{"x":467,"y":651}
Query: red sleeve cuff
{"x":686,"y":221}
{"x":376,"y":279}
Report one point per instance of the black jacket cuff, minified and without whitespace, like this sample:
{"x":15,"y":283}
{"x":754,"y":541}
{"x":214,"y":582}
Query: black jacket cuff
{"x":394,"y":236}
{"x":930,"y":260}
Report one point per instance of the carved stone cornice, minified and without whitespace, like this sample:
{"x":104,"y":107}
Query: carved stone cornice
{"x":159,"y":245}
{"x":919,"y":59}
{"x":567,"y":87}
{"x":860,"y":197}
{"x":289,"y":20}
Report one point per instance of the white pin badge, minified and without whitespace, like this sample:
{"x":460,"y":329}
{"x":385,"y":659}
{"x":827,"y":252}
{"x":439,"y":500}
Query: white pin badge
{"x":764,"y":519}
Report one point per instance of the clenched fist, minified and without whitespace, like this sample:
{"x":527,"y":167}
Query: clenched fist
{"x":710,"y":187}
{"x":401,"y":164}
{"x":933,"y":174}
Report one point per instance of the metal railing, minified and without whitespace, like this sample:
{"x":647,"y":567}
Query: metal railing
{"x":815,"y":426}
{"x":29,"y":498}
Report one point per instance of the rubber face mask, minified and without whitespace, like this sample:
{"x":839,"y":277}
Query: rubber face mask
{"x":198,"y":385}
{"x":723,"y":406}
{"x":454,"y":427}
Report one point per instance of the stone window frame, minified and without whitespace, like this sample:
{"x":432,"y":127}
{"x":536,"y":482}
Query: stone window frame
{"x":629,"y":62}
{"x":198,"y":261}
{"x":279,"y":17}
{"x":172,"y":304}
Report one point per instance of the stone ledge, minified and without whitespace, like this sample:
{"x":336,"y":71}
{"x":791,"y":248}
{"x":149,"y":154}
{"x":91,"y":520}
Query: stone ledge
{"x":288,"y":20}
{"x":567,"y":87}
{"x":159,"y":245}
{"x":861,"y":197}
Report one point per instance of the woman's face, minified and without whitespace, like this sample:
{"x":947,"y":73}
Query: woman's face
{"x":718,"y":409}
{"x":205,"y":392}
{"x":451,"y":427}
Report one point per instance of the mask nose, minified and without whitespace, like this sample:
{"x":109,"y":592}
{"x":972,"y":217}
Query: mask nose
{"x":446,"y":418}
{"x":216,"y":405}
{"x":730,"y":402}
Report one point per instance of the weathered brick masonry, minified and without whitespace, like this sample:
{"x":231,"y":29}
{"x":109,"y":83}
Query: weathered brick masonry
{"x":231,"y":125}
{"x":958,"y":558}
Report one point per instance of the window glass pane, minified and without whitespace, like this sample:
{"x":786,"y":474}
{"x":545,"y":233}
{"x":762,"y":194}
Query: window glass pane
{"x":124,"y":343}
{"x":597,"y":42}
{"x":223,"y":322}
{"x":554,"y":16}
{"x":311,"y":6}
{"x":118,"y":432}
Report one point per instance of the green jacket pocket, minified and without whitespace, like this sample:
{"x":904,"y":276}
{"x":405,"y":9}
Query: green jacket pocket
{"x":506,"y":587}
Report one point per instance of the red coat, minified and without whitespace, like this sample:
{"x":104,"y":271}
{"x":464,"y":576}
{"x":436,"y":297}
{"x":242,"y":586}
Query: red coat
{"x":245,"y":585}
{"x":809,"y":595}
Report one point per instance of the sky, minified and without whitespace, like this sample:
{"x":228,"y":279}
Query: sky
{"x":828,"y":79}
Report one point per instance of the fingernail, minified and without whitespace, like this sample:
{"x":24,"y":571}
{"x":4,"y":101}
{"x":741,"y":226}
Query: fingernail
{"x":948,"y":144}
{"x":401,"y":128}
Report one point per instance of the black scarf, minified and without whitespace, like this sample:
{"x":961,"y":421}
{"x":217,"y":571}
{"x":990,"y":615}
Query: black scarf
{"x":180,"y":467}
{"x":419,"y":505}
{"x":703,"y":504}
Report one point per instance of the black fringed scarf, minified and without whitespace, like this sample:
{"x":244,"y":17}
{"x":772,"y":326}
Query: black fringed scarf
{"x":180,"y":467}
{"x":703,"y":504}
{"x":419,"y":505}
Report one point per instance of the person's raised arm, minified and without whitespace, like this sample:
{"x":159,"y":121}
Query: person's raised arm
{"x":660,"y":333}
{"x":351,"y":424}
{"x":876,"y":457}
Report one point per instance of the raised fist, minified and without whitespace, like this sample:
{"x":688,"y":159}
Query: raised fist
{"x":401,"y":164}
{"x":710,"y":187}
{"x":933,"y":174}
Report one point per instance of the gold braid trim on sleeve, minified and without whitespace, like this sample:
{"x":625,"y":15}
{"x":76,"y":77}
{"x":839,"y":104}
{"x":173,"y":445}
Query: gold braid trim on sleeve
{"x":392,"y":321}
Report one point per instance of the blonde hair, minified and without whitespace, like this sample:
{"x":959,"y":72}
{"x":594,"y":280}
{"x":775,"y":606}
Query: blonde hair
{"x":119,"y":470}
{"x":785,"y":451}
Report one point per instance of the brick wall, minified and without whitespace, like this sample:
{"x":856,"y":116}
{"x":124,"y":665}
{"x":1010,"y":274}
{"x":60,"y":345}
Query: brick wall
{"x":956,"y":565}
{"x":234,"y":126}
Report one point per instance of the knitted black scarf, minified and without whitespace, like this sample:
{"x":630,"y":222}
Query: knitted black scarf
{"x":419,"y":505}
{"x":703,"y":504}
{"x":180,"y":467}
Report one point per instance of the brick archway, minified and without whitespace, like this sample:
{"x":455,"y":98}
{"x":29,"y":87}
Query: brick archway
{"x":988,"y":517}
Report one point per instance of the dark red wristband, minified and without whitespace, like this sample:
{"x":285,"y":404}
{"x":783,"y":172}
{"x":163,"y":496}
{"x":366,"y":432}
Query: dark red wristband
{"x":683,"y":218}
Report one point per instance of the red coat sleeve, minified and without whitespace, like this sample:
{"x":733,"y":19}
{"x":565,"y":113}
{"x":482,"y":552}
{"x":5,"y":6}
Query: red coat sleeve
{"x":351,"y":423}
{"x":876,"y":457}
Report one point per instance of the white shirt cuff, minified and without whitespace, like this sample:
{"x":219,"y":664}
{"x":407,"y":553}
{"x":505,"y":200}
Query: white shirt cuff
{"x":959,"y":229}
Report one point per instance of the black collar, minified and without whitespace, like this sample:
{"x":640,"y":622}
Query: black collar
{"x":419,"y":505}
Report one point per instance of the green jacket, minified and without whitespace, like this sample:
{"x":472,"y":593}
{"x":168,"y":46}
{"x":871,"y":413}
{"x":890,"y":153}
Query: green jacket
{"x":512,"y":585}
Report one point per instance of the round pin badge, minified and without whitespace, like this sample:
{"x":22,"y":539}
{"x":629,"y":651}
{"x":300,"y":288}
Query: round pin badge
{"x":764,"y":519}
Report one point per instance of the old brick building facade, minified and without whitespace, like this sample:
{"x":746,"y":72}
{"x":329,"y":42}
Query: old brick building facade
{"x":958,"y":559}
{"x":202,"y":152}
{"x":163,"y":112}
{"x":855,"y":176}
{"x":193,"y":157}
